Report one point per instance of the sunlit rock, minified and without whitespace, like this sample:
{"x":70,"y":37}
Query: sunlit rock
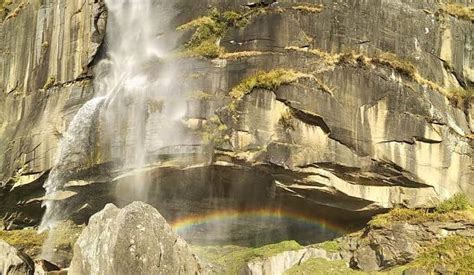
{"x":132,"y":240}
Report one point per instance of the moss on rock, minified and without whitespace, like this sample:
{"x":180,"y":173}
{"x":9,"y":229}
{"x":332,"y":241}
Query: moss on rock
{"x":231,"y":259}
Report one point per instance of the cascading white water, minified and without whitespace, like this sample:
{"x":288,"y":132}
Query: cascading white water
{"x":126,"y":92}
{"x":73,"y":150}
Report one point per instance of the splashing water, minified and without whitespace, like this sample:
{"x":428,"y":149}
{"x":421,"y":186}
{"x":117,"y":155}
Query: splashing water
{"x":73,"y":150}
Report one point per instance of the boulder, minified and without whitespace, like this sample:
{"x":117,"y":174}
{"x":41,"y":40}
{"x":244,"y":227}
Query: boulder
{"x":132,"y":240}
{"x":44,"y":267}
{"x":278,"y":264}
{"x":14,"y":262}
{"x":379,"y":248}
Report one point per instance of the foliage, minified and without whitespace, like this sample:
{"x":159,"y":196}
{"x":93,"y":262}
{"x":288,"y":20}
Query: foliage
{"x":461,"y":93}
{"x":265,"y":80}
{"x":458,"y":202}
{"x":330,"y":246}
{"x":400,"y":65}
{"x":30,"y":241}
{"x":308,"y":8}
{"x":49,"y":83}
{"x":459,"y":11}
{"x":215,"y":131}
{"x":453,"y":253}
{"x":286,"y":120}
{"x":231,"y":259}
{"x":455,"y":208}
{"x":209,"y":30}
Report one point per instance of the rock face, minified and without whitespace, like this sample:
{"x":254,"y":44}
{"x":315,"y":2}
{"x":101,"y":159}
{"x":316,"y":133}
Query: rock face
{"x":132,"y":240}
{"x":398,"y":244}
{"x":358,"y":135}
{"x":278,"y":264}
{"x":11,"y":263}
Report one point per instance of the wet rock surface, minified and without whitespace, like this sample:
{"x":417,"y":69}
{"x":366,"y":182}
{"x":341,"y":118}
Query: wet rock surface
{"x":132,"y":240}
{"x":368,"y":139}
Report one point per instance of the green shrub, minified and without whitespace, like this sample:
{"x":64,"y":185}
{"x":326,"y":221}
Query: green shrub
{"x":209,"y":30}
{"x":458,"y":202}
{"x":231,"y":259}
{"x":266,"y":80}
{"x":461,"y":93}
{"x":453,"y":253}
{"x":330,"y":246}
{"x":455,"y":208}
{"x":459,"y":11}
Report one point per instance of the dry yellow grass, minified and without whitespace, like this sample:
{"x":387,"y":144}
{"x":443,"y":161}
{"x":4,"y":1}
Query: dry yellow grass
{"x":308,"y":8}
{"x":459,"y":11}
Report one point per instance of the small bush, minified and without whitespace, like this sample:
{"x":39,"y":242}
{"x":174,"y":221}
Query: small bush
{"x":330,"y":246}
{"x":287,"y":121}
{"x":458,"y":202}
{"x":456,"y":208}
{"x":209,"y":30}
{"x":402,"y":66}
{"x":459,"y":11}
{"x":49,"y":83}
{"x":231,"y":259}
{"x":461,"y":93}
{"x":454,"y":253}
{"x":308,"y":8}
{"x":266,"y":80}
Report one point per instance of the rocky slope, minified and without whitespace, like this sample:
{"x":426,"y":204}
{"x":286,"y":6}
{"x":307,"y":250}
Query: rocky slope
{"x":343,"y":108}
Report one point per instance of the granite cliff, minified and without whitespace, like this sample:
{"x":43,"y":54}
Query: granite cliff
{"x":340,"y":109}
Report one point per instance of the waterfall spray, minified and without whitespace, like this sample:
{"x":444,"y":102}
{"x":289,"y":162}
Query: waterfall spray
{"x":126,"y":93}
{"x":73,"y":150}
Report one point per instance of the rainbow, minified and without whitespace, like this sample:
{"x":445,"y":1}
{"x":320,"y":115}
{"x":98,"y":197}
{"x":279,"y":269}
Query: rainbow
{"x":187,"y":223}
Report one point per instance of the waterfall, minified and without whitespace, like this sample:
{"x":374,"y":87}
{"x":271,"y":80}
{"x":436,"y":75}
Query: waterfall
{"x":73,"y":150}
{"x":126,"y":93}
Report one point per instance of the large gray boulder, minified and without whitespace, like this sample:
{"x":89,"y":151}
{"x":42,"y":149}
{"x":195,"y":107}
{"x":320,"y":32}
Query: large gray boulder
{"x":397,"y":244}
{"x":12,"y":262}
{"x":132,"y":240}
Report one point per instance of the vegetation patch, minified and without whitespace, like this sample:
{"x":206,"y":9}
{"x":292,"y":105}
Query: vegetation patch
{"x":454,"y":254}
{"x":319,"y":266}
{"x":231,"y":259}
{"x":330,"y":246}
{"x":236,"y":55}
{"x":215,"y":132}
{"x":30,"y":241}
{"x":8,"y":11}
{"x":287,"y":121}
{"x":460,"y":93}
{"x":266,"y":80}
{"x":459,"y":11}
{"x":210,"y":29}
{"x":454,"y":209}
{"x":4,"y":9}
{"x":49,"y":83}
{"x":401,"y":66}
{"x":308,"y":8}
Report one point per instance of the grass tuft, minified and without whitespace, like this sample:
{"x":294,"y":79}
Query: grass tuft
{"x":455,"y":254}
{"x":453,"y":209}
{"x":208,"y":31}
{"x":231,"y":259}
{"x":308,"y":8}
{"x":317,"y":266}
{"x":330,"y":246}
{"x":459,"y":11}
{"x":29,"y":241}
{"x":458,"y":202}
{"x":266,"y":80}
